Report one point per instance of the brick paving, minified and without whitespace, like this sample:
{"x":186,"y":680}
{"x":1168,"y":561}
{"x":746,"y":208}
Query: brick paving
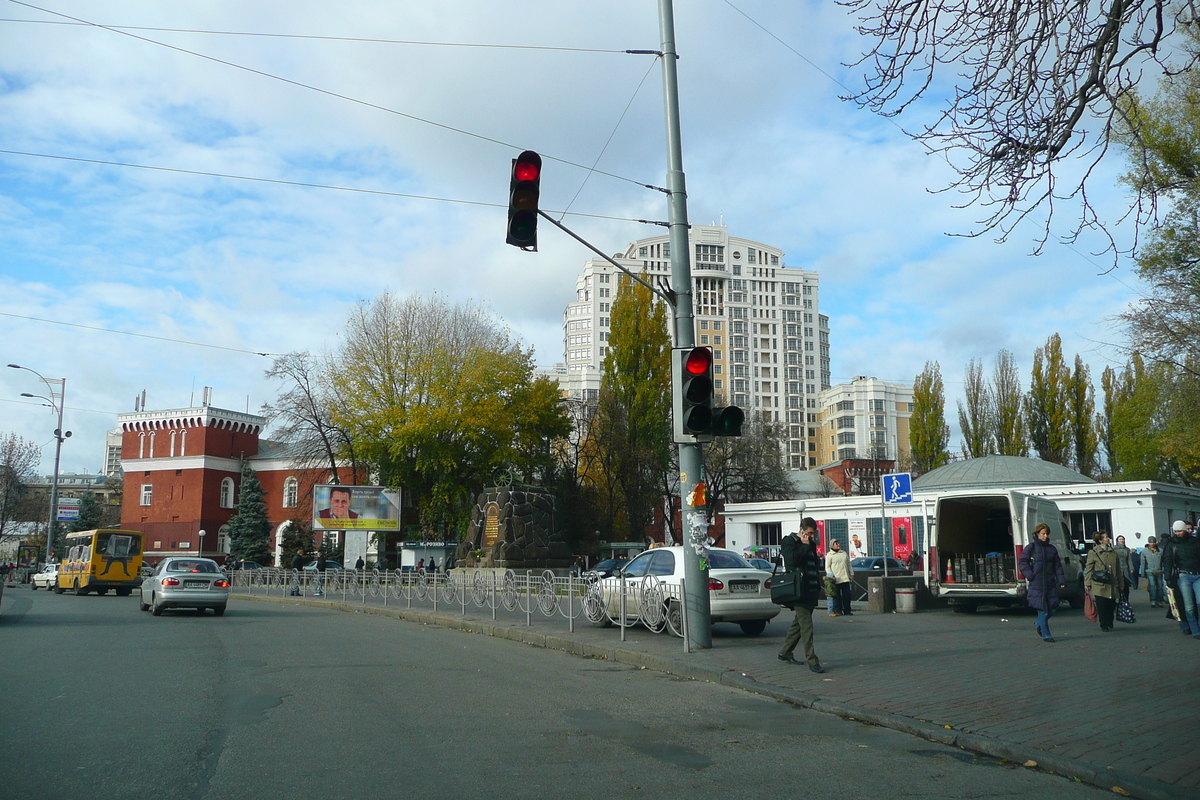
{"x":1116,"y":709}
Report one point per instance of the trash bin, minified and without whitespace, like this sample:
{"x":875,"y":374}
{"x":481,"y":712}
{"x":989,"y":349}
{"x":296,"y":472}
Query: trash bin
{"x":906,"y":599}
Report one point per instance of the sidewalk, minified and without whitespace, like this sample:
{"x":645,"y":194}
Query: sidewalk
{"x":1114,"y":710}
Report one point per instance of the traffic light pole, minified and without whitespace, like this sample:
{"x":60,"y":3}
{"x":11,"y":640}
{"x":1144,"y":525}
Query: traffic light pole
{"x":691,"y":455}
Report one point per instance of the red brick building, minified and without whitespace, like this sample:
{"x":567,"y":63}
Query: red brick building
{"x":183,"y":473}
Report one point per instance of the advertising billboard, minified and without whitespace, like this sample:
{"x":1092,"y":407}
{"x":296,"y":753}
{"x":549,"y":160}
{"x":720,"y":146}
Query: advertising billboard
{"x":350,"y":508}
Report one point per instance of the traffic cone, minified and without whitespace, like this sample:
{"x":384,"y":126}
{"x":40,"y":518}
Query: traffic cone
{"x":950,"y":570}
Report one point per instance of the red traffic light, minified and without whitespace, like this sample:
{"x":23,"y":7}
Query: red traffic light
{"x":698,"y":361}
{"x":527,"y":170}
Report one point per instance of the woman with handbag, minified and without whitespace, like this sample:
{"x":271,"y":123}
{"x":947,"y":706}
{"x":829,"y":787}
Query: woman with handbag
{"x":1103,"y":579}
{"x":1042,"y":569}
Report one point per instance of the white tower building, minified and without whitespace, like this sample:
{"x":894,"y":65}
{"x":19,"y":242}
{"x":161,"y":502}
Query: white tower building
{"x":762,"y":318}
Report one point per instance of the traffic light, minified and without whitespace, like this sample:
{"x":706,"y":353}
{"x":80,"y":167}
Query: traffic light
{"x":692,"y":394}
{"x":727,"y":421}
{"x":523,"y":191}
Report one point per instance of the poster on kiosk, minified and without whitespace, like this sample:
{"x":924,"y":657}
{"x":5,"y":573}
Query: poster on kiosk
{"x":902,"y":538}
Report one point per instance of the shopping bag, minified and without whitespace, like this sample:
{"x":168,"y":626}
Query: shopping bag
{"x":1174,"y":607}
{"x":1125,"y":613}
{"x":1089,"y":608}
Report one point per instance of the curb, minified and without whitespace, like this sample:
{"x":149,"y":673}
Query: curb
{"x":1070,"y":768}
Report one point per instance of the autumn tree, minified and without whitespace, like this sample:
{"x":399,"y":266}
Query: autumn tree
{"x":439,"y":398}
{"x":633,"y":419}
{"x":976,"y":416}
{"x":19,"y":459}
{"x":1027,"y":82}
{"x":1048,"y":406}
{"x":303,"y":415}
{"x":929,"y":434}
{"x":1007,"y":402}
{"x":1082,"y":397}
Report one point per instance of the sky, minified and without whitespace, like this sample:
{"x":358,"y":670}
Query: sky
{"x":201,"y":274}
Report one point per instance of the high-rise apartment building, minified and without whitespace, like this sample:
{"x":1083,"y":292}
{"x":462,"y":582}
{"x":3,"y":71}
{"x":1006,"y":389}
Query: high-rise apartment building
{"x":762,"y":319}
{"x":864,"y":419}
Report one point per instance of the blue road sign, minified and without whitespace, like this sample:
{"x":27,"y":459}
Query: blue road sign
{"x":897,"y":488}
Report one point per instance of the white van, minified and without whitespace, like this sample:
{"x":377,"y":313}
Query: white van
{"x":976,"y":539}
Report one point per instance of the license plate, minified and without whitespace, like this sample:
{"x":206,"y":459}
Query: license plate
{"x":194,"y":585}
{"x":743,"y":587}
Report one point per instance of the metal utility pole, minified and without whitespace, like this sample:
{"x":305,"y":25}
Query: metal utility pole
{"x":58,"y":401}
{"x":691,"y":456}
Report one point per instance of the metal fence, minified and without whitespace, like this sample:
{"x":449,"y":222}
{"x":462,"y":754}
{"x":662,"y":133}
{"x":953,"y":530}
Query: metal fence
{"x":606,"y":602}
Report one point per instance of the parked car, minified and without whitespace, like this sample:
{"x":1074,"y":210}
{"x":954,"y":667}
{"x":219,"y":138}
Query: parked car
{"x":189,"y":582}
{"x":761,"y":563}
{"x":46,"y":579}
{"x":874,"y":565}
{"x":606,"y":568}
{"x":738,"y":592}
{"x":244,"y":565}
{"x":312,"y":567}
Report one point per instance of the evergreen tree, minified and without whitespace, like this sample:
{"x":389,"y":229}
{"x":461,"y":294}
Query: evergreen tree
{"x":929,"y":434}
{"x":250,"y":529}
{"x":1011,"y":436}
{"x":297,"y":538}
{"x":1048,"y":404}
{"x":91,"y":514}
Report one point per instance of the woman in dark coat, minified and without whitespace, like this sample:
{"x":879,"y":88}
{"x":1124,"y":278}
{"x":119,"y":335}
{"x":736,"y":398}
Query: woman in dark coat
{"x":1043,"y":571}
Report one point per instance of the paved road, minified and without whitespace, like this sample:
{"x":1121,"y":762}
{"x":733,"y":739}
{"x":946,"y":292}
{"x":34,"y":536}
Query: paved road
{"x":986,"y":674}
{"x":295,"y":701}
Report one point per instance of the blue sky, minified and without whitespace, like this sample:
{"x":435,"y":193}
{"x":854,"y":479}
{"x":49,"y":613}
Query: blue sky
{"x":768,"y":147}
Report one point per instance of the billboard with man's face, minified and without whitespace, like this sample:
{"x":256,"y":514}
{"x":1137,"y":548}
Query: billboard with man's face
{"x":348,"y":508}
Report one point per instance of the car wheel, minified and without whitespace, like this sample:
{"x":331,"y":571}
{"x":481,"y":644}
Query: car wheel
{"x":32,"y":586}
{"x":102,"y":592}
{"x":965,"y":608}
{"x":155,"y":608}
{"x":753,"y":627}
{"x":675,"y":618}
{"x":80,"y":591}
{"x":1076,"y":602}
{"x":124,"y":592}
{"x":143,"y":604}
{"x":58,"y":589}
{"x":219,"y":611}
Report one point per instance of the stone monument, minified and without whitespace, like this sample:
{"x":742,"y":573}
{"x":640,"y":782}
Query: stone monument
{"x":511,"y":529}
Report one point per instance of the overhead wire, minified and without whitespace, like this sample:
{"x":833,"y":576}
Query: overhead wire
{"x":283,"y":182}
{"x":327,"y":92}
{"x":360,"y":39}
{"x":138,"y":335}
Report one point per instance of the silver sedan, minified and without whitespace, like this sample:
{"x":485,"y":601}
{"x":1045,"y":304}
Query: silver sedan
{"x":189,"y":582}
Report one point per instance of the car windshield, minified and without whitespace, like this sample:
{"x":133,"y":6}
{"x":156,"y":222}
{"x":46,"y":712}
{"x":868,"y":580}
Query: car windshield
{"x":862,"y":563}
{"x":725,"y":559}
{"x":192,"y":566}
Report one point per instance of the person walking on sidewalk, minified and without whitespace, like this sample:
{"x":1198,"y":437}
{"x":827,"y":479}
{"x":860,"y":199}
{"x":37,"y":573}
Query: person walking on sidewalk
{"x":1181,"y":565}
{"x":1043,"y":570}
{"x":1103,"y":579}
{"x":1123,"y":556}
{"x":837,"y":564}
{"x":322,"y":565}
{"x":297,"y":566}
{"x":799,"y":552}
{"x":1153,"y":572}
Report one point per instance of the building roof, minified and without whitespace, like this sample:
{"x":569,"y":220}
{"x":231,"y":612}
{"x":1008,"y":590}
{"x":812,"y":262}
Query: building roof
{"x":996,"y":471}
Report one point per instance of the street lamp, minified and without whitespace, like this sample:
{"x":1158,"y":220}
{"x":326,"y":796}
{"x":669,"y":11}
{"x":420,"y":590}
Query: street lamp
{"x":202,"y":532}
{"x":800,"y":506}
{"x":59,"y":438}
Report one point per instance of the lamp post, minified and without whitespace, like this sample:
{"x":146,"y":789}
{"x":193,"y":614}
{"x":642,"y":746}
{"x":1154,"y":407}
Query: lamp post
{"x":800,"y":506}
{"x":201,"y":552}
{"x":59,"y":438}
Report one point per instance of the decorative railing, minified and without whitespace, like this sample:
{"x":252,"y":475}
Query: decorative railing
{"x":604,"y":602}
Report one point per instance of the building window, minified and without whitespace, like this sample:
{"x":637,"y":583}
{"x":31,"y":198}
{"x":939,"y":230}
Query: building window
{"x":227,"y":493}
{"x":147,"y":493}
{"x":291,"y":492}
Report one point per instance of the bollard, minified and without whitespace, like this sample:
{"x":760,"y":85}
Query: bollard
{"x":528,"y":607}
{"x":683,"y":615}
{"x":493,"y":594}
{"x":571,"y":602}
{"x":622,"y":606}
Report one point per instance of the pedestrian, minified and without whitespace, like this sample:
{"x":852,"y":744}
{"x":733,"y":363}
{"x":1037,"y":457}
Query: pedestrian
{"x":1043,"y":571}
{"x":420,"y":565}
{"x":837,"y":564}
{"x":1181,"y":568}
{"x":322,"y":566}
{"x":1103,"y":579}
{"x":800,"y":555}
{"x":1151,"y":568}
{"x":360,"y":563}
{"x":1123,"y":553}
{"x":297,"y":565}
{"x":1135,"y":566}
